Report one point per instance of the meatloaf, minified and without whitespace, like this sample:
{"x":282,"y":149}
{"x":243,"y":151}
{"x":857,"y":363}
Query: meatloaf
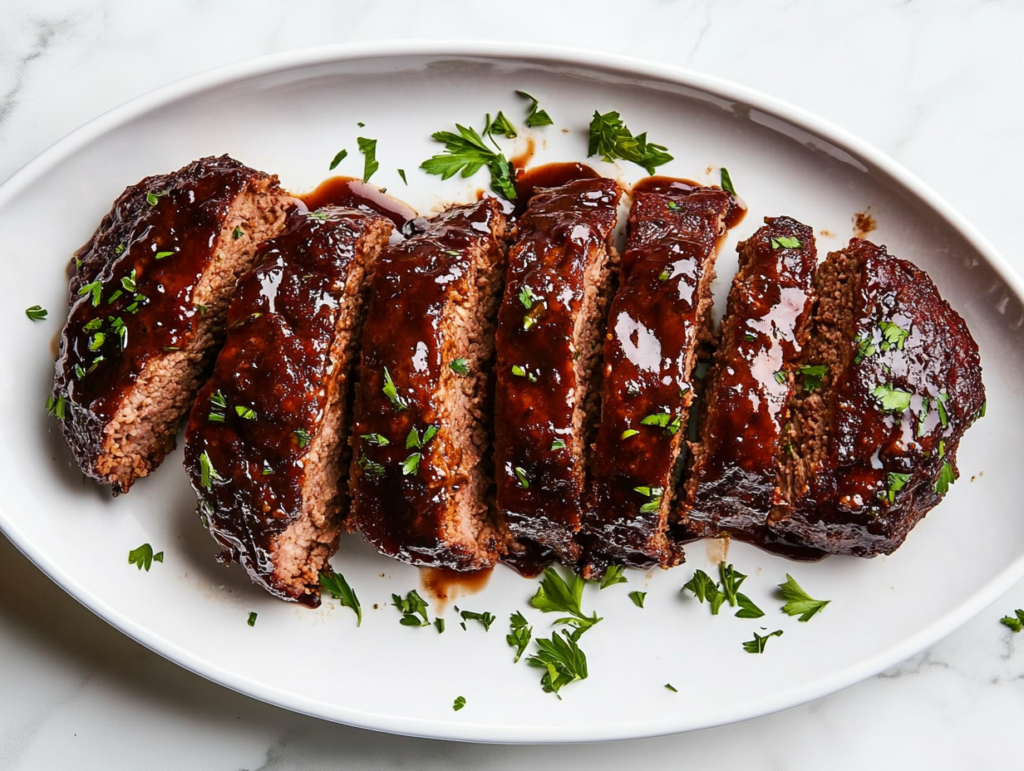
{"x":658,"y":316}
{"x":421,"y":473}
{"x":147,"y":310}
{"x":266,"y":447}
{"x":550,"y":328}
{"x":733,"y":476}
{"x":874,"y":448}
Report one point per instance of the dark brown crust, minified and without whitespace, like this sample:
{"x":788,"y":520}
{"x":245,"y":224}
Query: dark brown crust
{"x":562,"y":257}
{"x":844,"y":507}
{"x":733,"y":481}
{"x":659,"y":313}
{"x":434,"y":302}
{"x":272,"y":497}
{"x":123,"y":410}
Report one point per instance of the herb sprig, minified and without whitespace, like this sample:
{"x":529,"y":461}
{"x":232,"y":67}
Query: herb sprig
{"x":466,"y":153}
{"x":612,"y":140}
{"x":339,"y":589}
{"x":556,"y":595}
{"x":798,"y":601}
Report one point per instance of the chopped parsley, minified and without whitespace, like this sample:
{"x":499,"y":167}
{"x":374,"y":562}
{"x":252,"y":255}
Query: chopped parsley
{"x":519,"y":371}
{"x":252,"y":618}
{"x":614,"y":575}
{"x":562,"y":659}
{"x":663,"y":420}
{"x":727,"y":181}
{"x":375,"y":439}
{"x":246,"y":413}
{"x":1015,"y":622}
{"x":459,"y":366}
{"x":865,"y":348}
{"x":302,"y":437}
{"x":159,"y":256}
{"x":813,"y":374}
{"x":218,"y":406}
{"x":895,"y":482}
{"x":318,"y":215}
{"x":528,"y":297}
{"x":207,"y":473}
{"x":342,"y":155}
{"x":439,"y":624}
{"x":671,"y":687}
{"x":415,"y":439}
{"x":36,"y":312}
{"x":143,"y":557}
{"x":799,"y":602}
{"x":56,"y":408}
{"x":485,"y":618}
{"x":411,"y":464}
{"x":672,"y":206}
{"x":391,"y":392}
{"x":704,"y":588}
{"x":638,"y":598}
{"x":368,"y":147}
{"x":612,"y":140}
{"x":558,"y":444}
{"x":371,"y":468}
{"x":413,"y":609}
{"x":664,"y":275}
{"x":501,"y":126}
{"x":401,"y":173}
{"x":945,"y":479}
{"x":628,"y":433}
{"x":153,"y":198}
{"x":555,"y":595}
{"x":893,"y":336}
{"x":524,"y":480}
{"x":236,"y":233}
{"x":535,"y":117}
{"x":466,"y":152}
{"x":786,"y":242}
{"x":780,"y":377}
{"x":757,"y":644}
{"x":940,"y":404}
{"x":519,"y":634}
{"x":892,"y":399}
{"x":460,"y":702}
{"x":922,"y":417}
{"x":339,"y":589}
{"x":653,"y":496}
{"x":94,"y":288}
{"x":118,"y":250}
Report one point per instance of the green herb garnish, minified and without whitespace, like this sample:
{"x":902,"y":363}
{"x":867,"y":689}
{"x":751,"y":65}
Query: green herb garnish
{"x":535,"y":117}
{"x":153,"y":198}
{"x":466,"y":152}
{"x":727,"y":181}
{"x":556,"y":595}
{"x":237,"y":233}
{"x":252,"y":618}
{"x":56,"y":408}
{"x":813,"y":374}
{"x":638,"y":598}
{"x":757,"y":644}
{"x":896,"y":482}
{"x":485,"y":618}
{"x":653,"y":495}
{"x":439,"y":624}
{"x":158,"y":256}
{"x":302,"y":437}
{"x":612,"y":140}
{"x":704,"y":588}
{"x":501,"y":126}
{"x":945,"y":479}
{"x":368,"y":147}
{"x":519,"y":634}
{"x":459,"y":366}
{"x":892,"y":399}
{"x":95,"y":288}
{"x":865,"y":348}
{"x":376,"y":439}
{"x":460,"y":702}
{"x":671,"y":687}
{"x":1015,"y":622}
{"x":371,"y":468}
{"x":799,"y":602}
{"x":628,"y":433}
{"x":246,"y":413}
{"x":562,"y":659}
{"x":411,"y":464}
{"x":340,"y":590}
{"x":893,"y":336}
{"x":401,"y":173}
{"x":524,"y":480}
{"x":207,"y":473}
{"x":940,"y":404}
{"x":391,"y":392}
{"x":342,"y":155}
{"x":614,"y":575}
{"x":413,"y":609}
{"x":786,"y":242}
{"x":143,"y":557}
{"x":36,"y":312}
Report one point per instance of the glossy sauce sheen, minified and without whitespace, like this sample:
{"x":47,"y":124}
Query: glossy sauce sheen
{"x":356,"y":194}
{"x":403,"y":514}
{"x":166,"y":318}
{"x":561,"y":233}
{"x":653,"y":330}
{"x":276,"y":361}
{"x":843,"y":510}
{"x":763,"y":333}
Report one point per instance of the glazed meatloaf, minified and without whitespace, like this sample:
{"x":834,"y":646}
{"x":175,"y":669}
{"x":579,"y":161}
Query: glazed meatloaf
{"x":874,"y":445}
{"x":147,"y":310}
{"x":550,"y":329}
{"x":733,"y":476}
{"x":421,"y":474}
{"x":656,"y":323}
{"x":266,"y":446}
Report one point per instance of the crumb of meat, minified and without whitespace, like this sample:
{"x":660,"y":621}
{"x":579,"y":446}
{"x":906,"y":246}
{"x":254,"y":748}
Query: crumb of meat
{"x":863,"y":223}
{"x":142,"y":430}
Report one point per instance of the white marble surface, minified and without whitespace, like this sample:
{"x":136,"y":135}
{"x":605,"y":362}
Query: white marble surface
{"x":937,"y":85}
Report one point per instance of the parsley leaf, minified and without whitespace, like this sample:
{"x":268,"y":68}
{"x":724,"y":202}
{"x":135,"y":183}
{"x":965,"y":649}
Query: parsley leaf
{"x":813,"y":374}
{"x":896,"y":482}
{"x":460,"y":702}
{"x":614,"y":575}
{"x":638,"y":598}
{"x":501,"y":126}
{"x":865,"y":348}
{"x":671,"y":687}
{"x":704,"y":588}
{"x":535,"y":117}
{"x":892,"y":399}
{"x":653,"y":495}
{"x":893,"y":336}
{"x":1015,"y":622}
{"x":401,"y":173}
{"x":391,"y":392}
{"x":466,"y":152}
{"x":246,"y":413}
{"x":153,"y":198}
{"x":562,"y":660}
{"x":519,"y":634}
{"x":413,"y":609}
{"x":558,"y":444}
{"x":459,"y":366}
{"x":945,"y":479}
{"x":371,"y":468}
{"x":798,"y":601}
{"x":143,"y":557}
{"x":523,"y":479}
{"x":368,"y":147}
{"x":238,"y":232}
{"x":528,"y":297}
{"x":411,"y":464}
{"x":340,"y":590}
{"x":207,"y":473}
{"x":628,"y":433}
{"x":757,"y":644}
{"x":484,"y":618}
{"x":727,"y":181}
{"x":940,"y":404}
{"x":94,"y":288}
{"x":786,"y":242}
{"x":342,"y":155}
{"x":252,"y":618}
{"x":439,"y":623}
{"x":747,"y":608}
{"x":375,"y":439}
{"x":56,"y":408}
{"x":36,"y":312}
{"x":612,"y":140}
{"x":555,"y":595}
{"x":302,"y":437}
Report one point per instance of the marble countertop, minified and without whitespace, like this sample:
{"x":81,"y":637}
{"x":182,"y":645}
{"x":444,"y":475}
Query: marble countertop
{"x":936,"y":85}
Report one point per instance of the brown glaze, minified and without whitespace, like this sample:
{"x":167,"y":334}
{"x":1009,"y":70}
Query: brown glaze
{"x":673,"y":186}
{"x":734,"y":477}
{"x":845,"y":508}
{"x":444,"y":584}
{"x":528,"y":181}
{"x":403,"y":513}
{"x":561,"y":233}
{"x":276,"y":360}
{"x":656,"y":319}
{"x":143,"y":305}
{"x":353,"y":193}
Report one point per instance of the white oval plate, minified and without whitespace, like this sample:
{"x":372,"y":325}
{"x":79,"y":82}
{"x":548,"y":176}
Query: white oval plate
{"x":290,"y":114}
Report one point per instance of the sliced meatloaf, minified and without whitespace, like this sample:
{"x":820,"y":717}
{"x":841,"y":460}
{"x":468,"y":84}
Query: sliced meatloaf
{"x":147,"y":310}
{"x":550,"y":329}
{"x":266,"y":447}
{"x":874,"y":449}
{"x":733,"y":477}
{"x":421,"y":474}
{"x":656,"y":322}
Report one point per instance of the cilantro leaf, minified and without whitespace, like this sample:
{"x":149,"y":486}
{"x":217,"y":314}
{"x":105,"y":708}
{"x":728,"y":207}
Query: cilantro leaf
{"x":562,"y":659}
{"x":535,"y":117}
{"x":757,"y":644}
{"x":798,"y":601}
{"x":612,"y":140}
{"x":340,"y":590}
{"x":368,"y":147}
{"x":466,"y":152}
{"x":519,"y":634}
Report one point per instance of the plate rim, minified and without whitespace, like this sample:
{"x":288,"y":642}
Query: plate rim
{"x":538,"y":54}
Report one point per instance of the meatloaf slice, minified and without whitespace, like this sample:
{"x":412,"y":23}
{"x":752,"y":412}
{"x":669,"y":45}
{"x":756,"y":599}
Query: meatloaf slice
{"x":550,"y":329}
{"x":875,"y":446}
{"x":421,"y":474}
{"x":655,"y":325}
{"x":266,"y":447}
{"x":147,"y":310}
{"x":733,"y":479}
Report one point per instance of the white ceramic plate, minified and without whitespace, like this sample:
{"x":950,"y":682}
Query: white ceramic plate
{"x":290,"y":114}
